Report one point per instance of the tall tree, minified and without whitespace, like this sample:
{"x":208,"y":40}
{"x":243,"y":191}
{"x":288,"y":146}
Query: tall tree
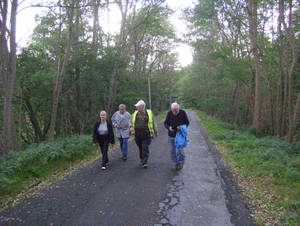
{"x":252,"y":17}
{"x":61,"y":72}
{"x":293,"y":114}
{"x":8,"y":71}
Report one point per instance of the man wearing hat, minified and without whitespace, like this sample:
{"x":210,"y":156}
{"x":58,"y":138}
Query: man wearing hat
{"x":143,"y":126}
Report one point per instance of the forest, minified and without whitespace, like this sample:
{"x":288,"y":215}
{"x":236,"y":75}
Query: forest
{"x":243,"y":83}
{"x":244,"y":69}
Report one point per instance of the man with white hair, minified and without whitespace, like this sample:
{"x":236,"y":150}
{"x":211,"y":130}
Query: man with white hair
{"x":173,"y":122}
{"x":142,"y":124}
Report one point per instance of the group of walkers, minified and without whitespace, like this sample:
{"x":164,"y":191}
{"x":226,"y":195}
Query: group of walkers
{"x":143,"y":126}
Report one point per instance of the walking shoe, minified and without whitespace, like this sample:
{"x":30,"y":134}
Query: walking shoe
{"x":145,"y":166}
{"x":175,"y":167}
{"x":124,"y":159}
{"x":103,"y":168}
{"x":180,"y":166}
{"x":141,"y":163}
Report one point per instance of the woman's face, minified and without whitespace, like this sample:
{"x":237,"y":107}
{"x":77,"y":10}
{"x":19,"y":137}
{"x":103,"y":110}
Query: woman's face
{"x":103,"y":116}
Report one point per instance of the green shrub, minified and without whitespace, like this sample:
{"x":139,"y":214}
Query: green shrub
{"x":292,"y":175}
{"x":295,"y":148}
{"x":273,"y":153}
{"x":37,"y":160}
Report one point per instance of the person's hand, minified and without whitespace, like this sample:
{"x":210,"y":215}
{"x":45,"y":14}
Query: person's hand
{"x":156,"y":135}
{"x":112,"y":145}
{"x":178,"y":128}
{"x":131,"y":129}
{"x":94,"y":144}
{"x":171,"y":129}
{"x":118,"y":127}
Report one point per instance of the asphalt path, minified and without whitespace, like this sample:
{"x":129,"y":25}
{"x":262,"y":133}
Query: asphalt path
{"x":202,"y":193}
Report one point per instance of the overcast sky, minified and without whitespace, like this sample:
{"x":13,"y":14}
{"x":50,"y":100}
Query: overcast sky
{"x":26,"y":23}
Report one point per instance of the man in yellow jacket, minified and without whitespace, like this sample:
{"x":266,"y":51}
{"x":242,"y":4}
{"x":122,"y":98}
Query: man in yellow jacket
{"x":143,"y":126}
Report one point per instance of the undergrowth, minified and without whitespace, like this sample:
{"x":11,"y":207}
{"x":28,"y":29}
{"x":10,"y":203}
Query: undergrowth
{"x":38,"y":161}
{"x":267,"y":164}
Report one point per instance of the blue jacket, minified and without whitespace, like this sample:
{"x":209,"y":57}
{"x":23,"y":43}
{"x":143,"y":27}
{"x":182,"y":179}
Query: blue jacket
{"x":181,"y":137}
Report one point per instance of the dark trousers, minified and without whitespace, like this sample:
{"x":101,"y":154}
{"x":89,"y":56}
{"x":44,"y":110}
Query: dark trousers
{"x":143,"y":140}
{"x":104,"y":142}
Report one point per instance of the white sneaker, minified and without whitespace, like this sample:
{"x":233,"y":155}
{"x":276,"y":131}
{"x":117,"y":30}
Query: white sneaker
{"x":103,"y":168}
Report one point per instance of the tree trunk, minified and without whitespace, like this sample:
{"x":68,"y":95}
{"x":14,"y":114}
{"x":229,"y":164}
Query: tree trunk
{"x":280,"y":98}
{"x":270,"y":94}
{"x":36,"y":126}
{"x":234,"y":108}
{"x":96,"y":29}
{"x":292,"y":129}
{"x":61,"y":74}
{"x":252,"y":16}
{"x":293,"y":116}
{"x":8,"y":59}
{"x":77,"y":73}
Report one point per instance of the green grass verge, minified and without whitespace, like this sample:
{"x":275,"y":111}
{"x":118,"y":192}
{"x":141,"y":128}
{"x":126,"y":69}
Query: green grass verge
{"x":38,"y":161}
{"x":266,"y":169}
{"x":161,"y":116}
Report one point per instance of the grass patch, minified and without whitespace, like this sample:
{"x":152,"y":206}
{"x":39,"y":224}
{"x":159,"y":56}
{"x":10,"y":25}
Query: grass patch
{"x":161,"y":116}
{"x":39,"y":164}
{"x":266,"y":170}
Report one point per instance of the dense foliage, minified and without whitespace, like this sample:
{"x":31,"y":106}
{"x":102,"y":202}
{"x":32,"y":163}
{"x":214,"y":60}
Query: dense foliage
{"x":72,"y":69}
{"x":37,"y":161}
{"x":245,"y":72}
{"x":242,"y":79}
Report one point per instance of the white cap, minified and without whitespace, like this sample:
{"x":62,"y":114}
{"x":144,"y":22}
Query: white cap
{"x":139,"y":103}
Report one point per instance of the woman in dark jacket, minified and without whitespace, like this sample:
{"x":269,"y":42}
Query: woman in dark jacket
{"x":103,"y":134}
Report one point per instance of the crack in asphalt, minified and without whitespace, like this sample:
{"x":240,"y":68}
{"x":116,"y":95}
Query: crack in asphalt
{"x":171,"y":209}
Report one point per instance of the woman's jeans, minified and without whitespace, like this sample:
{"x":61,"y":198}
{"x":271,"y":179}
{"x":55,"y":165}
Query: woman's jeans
{"x":177,"y":154}
{"x":124,"y":146}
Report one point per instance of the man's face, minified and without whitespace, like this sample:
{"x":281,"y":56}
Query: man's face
{"x":141,"y":108}
{"x":122,"y":110}
{"x":175,"y":111}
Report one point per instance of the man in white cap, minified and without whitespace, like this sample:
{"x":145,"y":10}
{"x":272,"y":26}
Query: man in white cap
{"x":142,"y":124}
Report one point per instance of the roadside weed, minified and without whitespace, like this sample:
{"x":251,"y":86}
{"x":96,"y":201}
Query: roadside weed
{"x":266,"y":169}
{"x":37,"y":161}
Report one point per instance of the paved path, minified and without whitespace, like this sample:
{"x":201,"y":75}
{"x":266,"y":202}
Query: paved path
{"x":202,"y":193}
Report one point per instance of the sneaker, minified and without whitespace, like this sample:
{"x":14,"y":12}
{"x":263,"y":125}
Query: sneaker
{"x":124,"y":159}
{"x":180,"y":166}
{"x":145,"y":166}
{"x":103,"y":168}
{"x":141,"y":163}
